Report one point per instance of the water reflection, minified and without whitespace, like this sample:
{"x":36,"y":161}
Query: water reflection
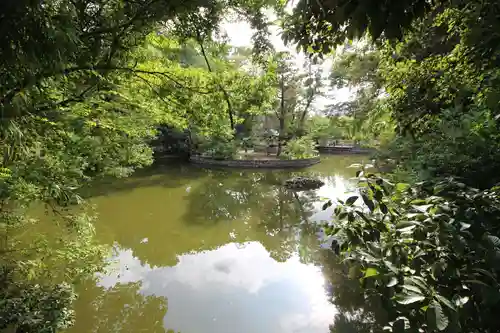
{"x":237,"y":287}
{"x":356,"y":312}
{"x":120,"y":308}
{"x":222,"y":251}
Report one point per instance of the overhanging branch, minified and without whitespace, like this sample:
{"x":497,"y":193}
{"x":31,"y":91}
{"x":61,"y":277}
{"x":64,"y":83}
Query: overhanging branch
{"x":27,"y":82}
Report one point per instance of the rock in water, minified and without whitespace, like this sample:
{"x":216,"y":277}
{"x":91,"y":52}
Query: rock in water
{"x":303,"y":183}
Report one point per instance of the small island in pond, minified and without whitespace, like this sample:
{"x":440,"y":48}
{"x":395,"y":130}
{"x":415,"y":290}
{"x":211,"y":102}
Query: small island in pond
{"x":303,"y":183}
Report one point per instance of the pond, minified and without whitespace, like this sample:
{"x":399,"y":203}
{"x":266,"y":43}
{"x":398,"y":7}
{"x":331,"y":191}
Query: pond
{"x":213,"y":251}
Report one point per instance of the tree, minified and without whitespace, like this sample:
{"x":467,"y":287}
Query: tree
{"x":357,"y":67}
{"x":75,"y":105}
{"x":438,"y":273}
{"x":445,"y":111}
{"x":287,"y":86}
{"x":296,"y":93}
{"x":310,"y":92}
{"x":320,"y":27}
{"x":438,"y":64}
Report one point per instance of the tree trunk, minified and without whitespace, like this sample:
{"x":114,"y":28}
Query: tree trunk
{"x":281,"y":116}
{"x":281,"y":135}
{"x":301,"y":130}
{"x":224,"y":92}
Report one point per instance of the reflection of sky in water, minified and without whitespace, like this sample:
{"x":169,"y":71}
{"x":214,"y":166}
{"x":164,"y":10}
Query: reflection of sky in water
{"x":336,"y":187}
{"x":236,"y":288}
{"x":172,"y":232}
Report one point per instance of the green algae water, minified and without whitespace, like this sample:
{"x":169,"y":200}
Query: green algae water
{"x":213,"y":251}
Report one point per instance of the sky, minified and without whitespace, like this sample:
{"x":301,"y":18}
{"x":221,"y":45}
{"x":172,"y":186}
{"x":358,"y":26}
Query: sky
{"x":240,"y":34}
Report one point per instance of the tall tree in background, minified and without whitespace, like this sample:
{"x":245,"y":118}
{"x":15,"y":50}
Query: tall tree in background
{"x":310,"y":92}
{"x":287,"y":83}
{"x":297,"y":90}
{"x":356,"y":66}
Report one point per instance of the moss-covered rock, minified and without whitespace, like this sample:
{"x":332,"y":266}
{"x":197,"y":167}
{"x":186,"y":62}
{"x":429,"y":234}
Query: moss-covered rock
{"x":303,"y":183}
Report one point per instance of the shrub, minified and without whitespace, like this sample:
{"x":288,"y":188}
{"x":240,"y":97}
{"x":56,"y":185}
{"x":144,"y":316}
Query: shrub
{"x":247,"y":143}
{"x":299,"y":148}
{"x":467,"y":147}
{"x":431,"y":251}
{"x":219,"y":149}
{"x":34,"y":308}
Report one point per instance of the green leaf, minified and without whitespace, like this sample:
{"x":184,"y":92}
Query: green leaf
{"x":351,"y":200}
{"x":371,"y":272}
{"x":422,"y":208}
{"x":332,"y":231}
{"x":391,"y":266}
{"x":485,"y":272}
{"x":436,"y":318}
{"x":418,"y":202}
{"x":460,"y":301}
{"x":445,"y":301}
{"x":407,"y":229}
{"x":464,"y":226}
{"x":477,"y":282}
{"x":327,"y":204}
{"x":369,"y":203}
{"x":418,"y":281}
{"x":363,"y":216}
{"x":406,"y":224}
{"x":402,"y":186}
{"x":495,"y":241}
{"x":409,"y":298}
{"x":412,"y":288}
{"x":392,"y":282}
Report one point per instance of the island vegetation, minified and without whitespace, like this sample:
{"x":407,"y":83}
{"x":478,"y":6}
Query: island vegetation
{"x":93,"y":89}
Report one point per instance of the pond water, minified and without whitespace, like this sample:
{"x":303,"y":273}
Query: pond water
{"x":213,"y":251}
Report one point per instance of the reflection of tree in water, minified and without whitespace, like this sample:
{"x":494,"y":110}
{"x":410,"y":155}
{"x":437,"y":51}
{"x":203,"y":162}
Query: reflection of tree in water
{"x":120,"y":309}
{"x":223,"y":197}
{"x":283,"y":216}
{"x":279,"y":215}
{"x":357,"y":313}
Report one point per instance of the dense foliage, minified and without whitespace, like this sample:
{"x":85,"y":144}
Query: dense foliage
{"x":84,"y":85}
{"x":437,"y":82}
{"x":365,"y":116}
{"x":429,"y":249}
{"x":303,"y":147}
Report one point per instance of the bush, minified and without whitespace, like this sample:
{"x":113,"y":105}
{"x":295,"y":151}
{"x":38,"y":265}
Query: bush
{"x":34,"y":308}
{"x":219,"y":149}
{"x":247,"y":143}
{"x":431,"y":251}
{"x":467,"y":148}
{"x":299,"y":148}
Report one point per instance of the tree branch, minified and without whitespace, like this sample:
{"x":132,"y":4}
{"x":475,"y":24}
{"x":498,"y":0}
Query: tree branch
{"x":225,"y":93}
{"x":10,"y":94}
{"x":164,"y":74}
{"x":77,"y":98}
{"x":157,"y":93}
{"x":125,"y":25}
